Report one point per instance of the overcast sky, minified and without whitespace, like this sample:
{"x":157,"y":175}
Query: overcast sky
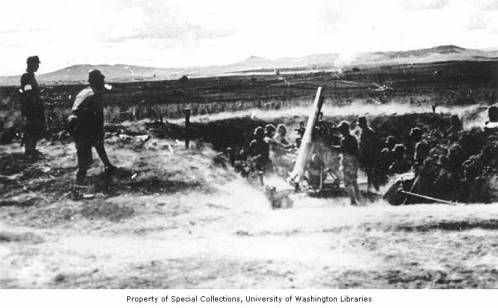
{"x":182,"y":33}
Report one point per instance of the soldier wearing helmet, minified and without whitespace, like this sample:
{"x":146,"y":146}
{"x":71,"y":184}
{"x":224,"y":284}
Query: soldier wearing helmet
{"x":32,"y":108}
{"x":259,"y":150}
{"x":87,"y":125}
{"x":400,"y":163}
{"x":349,"y":162}
{"x":369,"y":152}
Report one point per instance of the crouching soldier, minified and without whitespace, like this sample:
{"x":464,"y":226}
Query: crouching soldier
{"x":87,"y":125}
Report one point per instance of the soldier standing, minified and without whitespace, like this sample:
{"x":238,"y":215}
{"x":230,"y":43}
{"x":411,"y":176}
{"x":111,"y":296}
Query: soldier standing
{"x":259,"y":150}
{"x":349,"y":162}
{"x":414,"y":137}
{"x":87,"y":125}
{"x":32,"y":108}
{"x":369,"y":152}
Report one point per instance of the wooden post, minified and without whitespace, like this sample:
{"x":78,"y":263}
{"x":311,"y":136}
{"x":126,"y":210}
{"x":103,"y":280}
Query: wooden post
{"x":186,"y":112}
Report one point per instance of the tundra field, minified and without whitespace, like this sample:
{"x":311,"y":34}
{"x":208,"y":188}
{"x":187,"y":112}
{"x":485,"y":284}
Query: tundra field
{"x":172,"y":217}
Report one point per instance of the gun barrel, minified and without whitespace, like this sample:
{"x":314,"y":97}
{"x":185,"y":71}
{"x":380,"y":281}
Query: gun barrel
{"x":304,"y":150}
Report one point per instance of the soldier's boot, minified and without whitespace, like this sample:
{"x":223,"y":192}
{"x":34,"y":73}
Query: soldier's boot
{"x":29,"y":146}
{"x":108,"y":167}
{"x":81,"y":177}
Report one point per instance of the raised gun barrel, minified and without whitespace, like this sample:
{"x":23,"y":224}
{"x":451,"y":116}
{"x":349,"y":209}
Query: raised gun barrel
{"x":303,"y":154}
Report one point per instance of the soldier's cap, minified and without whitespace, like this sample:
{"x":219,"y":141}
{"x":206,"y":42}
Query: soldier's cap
{"x":258,"y":131}
{"x":316,"y":158}
{"x":343,"y":125}
{"x":270,"y":128}
{"x":95,"y":74}
{"x":33,"y":59}
{"x":415,"y":130}
{"x":399,"y":148}
{"x":362,"y":120}
{"x":391,"y":139}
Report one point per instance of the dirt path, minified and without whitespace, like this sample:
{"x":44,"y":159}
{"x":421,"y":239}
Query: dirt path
{"x":234,"y":241}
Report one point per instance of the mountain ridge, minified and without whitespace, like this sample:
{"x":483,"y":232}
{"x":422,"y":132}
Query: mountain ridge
{"x":125,"y":72}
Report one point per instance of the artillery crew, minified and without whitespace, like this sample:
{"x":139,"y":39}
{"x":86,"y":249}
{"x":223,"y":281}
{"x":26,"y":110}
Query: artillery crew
{"x":441,"y":158}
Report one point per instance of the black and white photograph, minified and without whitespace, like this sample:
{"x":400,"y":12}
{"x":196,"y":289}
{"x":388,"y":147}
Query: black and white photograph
{"x":249,"y":145}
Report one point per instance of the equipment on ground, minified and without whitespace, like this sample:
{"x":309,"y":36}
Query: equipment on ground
{"x":427,"y":197}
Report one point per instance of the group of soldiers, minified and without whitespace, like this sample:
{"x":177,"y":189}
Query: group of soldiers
{"x":454,"y":165}
{"x":86,"y":122}
{"x":438,"y":159}
{"x":337,"y":150}
{"x":266,"y":152}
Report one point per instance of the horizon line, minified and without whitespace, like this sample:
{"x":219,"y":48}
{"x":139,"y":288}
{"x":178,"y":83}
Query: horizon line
{"x":488,"y":49}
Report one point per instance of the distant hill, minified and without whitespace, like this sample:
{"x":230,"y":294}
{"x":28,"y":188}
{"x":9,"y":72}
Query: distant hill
{"x":255,"y":64}
{"x":434,"y":54}
{"x":79,"y":74}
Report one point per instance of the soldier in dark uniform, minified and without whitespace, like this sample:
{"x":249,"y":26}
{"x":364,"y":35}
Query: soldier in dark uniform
{"x":87,"y":125}
{"x":369,"y":152}
{"x":422,"y":149}
{"x":349,"y":162}
{"x":414,"y":137}
{"x":400,"y":163}
{"x":454,"y":131}
{"x":300,"y":133}
{"x":449,"y":183}
{"x":32,"y":108}
{"x":386,"y":156}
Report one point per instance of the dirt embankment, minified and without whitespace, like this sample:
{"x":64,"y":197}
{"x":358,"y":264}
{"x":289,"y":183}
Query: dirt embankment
{"x":236,"y":129}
